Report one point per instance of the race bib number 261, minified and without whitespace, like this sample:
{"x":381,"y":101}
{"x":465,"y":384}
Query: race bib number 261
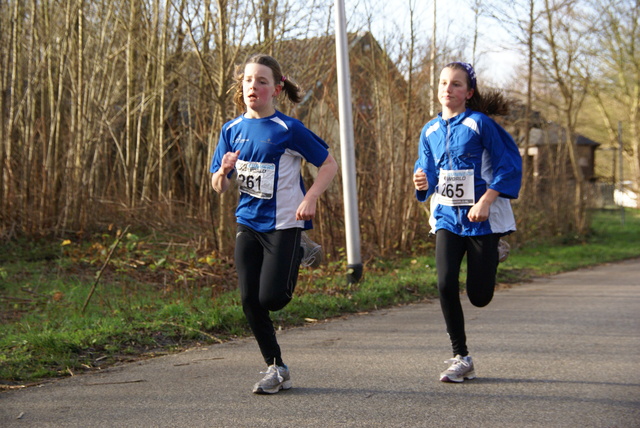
{"x":256,"y":178}
{"x":456,"y":188}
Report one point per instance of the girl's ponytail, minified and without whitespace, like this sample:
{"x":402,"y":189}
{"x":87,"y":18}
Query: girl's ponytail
{"x":291,"y":89}
{"x":492,"y":103}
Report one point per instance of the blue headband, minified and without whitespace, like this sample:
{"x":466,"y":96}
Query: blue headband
{"x":470,"y":71}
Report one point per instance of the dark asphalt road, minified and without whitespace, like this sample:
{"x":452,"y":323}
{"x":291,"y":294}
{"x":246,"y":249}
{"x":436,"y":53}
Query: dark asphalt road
{"x":557,"y":352}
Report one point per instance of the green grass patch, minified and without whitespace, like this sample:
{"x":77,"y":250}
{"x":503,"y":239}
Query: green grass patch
{"x":156,"y":296}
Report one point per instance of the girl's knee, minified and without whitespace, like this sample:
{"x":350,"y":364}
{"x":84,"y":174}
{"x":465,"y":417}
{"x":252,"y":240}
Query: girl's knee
{"x":480,"y":291}
{"x":480,"y":301}
{"x":250,"y":303}
{"x":275,"y":303}
{"x":449,"y":290}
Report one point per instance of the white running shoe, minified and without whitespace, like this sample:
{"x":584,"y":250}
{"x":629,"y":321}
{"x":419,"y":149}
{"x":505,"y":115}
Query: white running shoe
{"x":311,"y":251}
{"x":275,"y":379}
{"x":461,"y":368}
{"x":503,"y":250}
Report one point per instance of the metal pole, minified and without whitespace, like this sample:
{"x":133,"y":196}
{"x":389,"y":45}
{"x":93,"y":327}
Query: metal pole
{"x":620,"y":167}
{"x":432,"y":77}
{"x":352,"y":226}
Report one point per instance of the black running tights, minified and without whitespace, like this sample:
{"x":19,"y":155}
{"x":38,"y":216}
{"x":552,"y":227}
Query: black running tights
{"x":267,"y":266}
{"x":482,"y":265}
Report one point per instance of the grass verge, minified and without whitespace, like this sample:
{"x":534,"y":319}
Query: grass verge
{"x":159,"y":298}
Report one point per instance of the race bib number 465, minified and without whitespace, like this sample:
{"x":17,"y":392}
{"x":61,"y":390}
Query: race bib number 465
{"x":256,"y":178}
{"x":456,"y":188}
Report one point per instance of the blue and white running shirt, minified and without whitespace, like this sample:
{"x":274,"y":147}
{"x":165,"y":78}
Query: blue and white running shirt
{"x":469,"y":147}
{"x":268,"y":168}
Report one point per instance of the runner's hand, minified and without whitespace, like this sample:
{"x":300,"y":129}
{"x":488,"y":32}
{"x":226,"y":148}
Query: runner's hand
{"x":420,"y":180}
{"x":229,"y":161}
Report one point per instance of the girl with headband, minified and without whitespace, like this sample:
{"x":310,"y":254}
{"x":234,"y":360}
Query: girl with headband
{"x":265,"y":148}
{"x":471,"y":168}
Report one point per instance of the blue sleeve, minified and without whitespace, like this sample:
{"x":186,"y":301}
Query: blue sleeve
{"x":428,"y":165}
{"x":505,"y":160}
{"x":222,"y":148}
{"x":309,"y":145}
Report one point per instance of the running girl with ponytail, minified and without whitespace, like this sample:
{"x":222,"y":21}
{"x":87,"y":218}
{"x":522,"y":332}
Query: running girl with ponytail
{"x":265,"y":148}
{"x":471,"y":168}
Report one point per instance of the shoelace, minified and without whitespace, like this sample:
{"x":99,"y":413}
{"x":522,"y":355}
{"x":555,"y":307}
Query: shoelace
{"x":277,"y":372}
{"x":310,"y":258}
{"x":310,"y":250}
{"x":457,"y":362}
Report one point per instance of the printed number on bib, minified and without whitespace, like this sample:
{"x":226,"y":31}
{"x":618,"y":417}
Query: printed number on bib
{"x":456,"y":188}
{"x":256,"y":178}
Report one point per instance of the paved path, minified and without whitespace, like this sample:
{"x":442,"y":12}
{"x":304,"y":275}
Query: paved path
{"x":558,"y":352}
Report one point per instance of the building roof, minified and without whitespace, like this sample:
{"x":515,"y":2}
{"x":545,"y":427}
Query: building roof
{"x":554,"y":134}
